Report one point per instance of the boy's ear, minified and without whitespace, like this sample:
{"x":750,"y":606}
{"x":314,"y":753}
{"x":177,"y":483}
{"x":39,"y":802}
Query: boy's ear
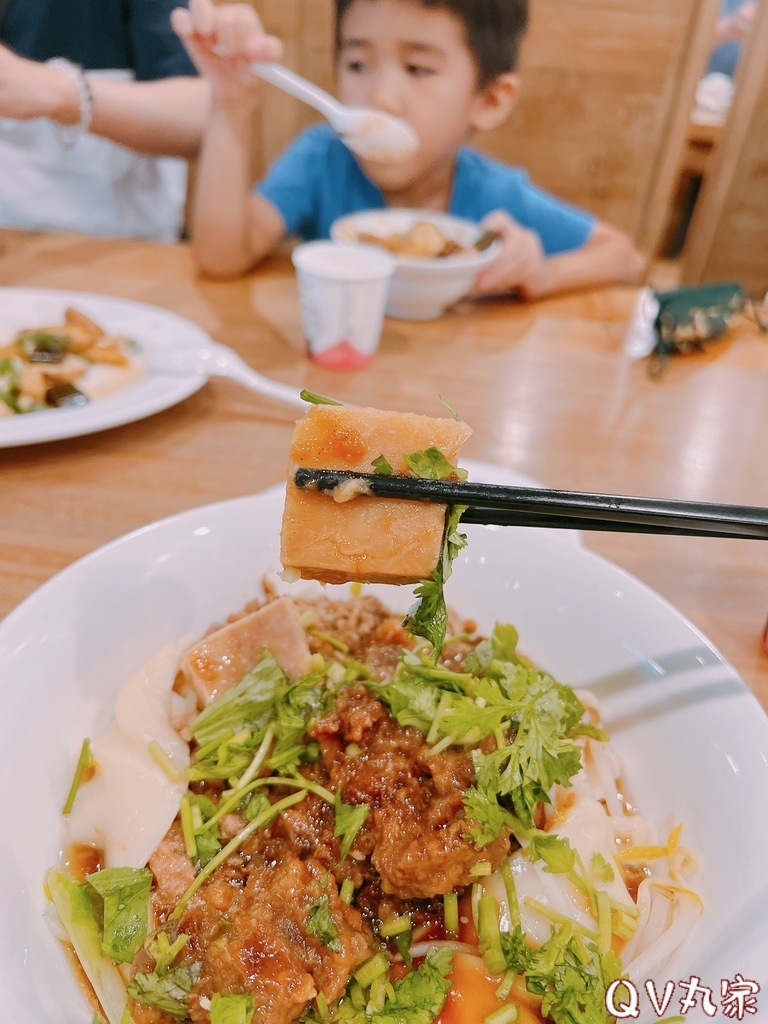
{"x":495,"y":102}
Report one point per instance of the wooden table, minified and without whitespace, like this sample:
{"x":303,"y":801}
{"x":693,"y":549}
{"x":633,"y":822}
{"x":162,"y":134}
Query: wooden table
{"x":545,"y":387}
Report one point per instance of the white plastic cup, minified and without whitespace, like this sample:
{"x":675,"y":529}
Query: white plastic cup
{"x":343,"y":291}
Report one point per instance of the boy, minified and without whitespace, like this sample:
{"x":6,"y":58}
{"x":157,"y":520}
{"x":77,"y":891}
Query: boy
{"x":444,"y":66}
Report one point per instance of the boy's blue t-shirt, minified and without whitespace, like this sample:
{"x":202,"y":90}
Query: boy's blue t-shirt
{"x":317,"y":180}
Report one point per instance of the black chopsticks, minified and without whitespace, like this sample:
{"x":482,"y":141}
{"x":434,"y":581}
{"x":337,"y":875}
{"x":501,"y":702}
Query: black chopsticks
{"x":492,"y":504}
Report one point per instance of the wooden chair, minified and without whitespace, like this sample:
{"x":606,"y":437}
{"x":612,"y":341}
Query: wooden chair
{"x":728,"y":238}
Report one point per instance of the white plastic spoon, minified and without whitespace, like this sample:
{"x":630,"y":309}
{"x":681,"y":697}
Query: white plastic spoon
{"x":369,"y":133}
{"x":216,"y":360}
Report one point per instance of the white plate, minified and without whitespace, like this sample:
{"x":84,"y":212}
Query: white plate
{"x":692,"y":738}
{"x":154,"y":330}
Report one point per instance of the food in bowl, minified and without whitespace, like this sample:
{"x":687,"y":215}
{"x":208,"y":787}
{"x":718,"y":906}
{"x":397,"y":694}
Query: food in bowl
{"x":48,"y":367}
{"x":424,"y":240}
{"x":369,"y":834}
{"x":425,"y":284}
{"x":309,"y":813}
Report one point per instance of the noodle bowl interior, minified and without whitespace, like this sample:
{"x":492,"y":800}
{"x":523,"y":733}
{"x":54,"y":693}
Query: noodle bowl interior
{"x":343,"y":827}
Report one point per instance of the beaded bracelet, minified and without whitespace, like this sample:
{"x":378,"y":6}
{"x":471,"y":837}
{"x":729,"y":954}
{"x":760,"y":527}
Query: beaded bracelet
{"x":68,"y":134}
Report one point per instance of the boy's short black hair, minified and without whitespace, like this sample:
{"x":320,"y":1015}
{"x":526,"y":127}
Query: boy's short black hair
{"x":494,"y":29}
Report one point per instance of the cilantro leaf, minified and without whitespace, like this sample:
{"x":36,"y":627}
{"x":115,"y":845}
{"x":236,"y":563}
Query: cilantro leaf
{"x":208,"y":842}
{"x":231,"y":757}
{"x":420,"y":995}
{"x":296,"y":704}
{"x":541,"y":753}
{"x":382,"y":466}
{"x":320,"y":923}
{"x":167,"y":991}
{"x":232,"y":1009}
{"x":412,"y":701}
{"x":125,"y":895}
{"x":500,"y":646}
{"x":248,"y":704}
{"x":429,"y":618}
{"x":431,"y":464}
{"x":556,"y":852}
{"x":485,"y":809}
{"x":570,"y":975}
{"x":349,"y":820}
{"x":601,"y":868}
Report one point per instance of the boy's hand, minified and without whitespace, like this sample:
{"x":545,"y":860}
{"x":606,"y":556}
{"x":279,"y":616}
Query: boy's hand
{"x":223,"y":41}
{"x":520,"y":267}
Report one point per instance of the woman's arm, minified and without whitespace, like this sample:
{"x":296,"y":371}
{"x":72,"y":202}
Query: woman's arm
{"x":164,"y":117}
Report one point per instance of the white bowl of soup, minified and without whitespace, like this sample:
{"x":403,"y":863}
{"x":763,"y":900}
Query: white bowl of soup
{"x":436,"y":262}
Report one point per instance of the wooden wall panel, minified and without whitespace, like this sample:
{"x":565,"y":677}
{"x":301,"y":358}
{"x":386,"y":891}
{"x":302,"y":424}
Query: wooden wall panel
{"x":607,"y":87}
{"x":728,"y":238}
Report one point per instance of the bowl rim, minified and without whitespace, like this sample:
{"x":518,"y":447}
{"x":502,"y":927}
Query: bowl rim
{"x":470,"y":260}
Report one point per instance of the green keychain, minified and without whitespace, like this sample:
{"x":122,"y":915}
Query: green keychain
{"x":691,"y":316}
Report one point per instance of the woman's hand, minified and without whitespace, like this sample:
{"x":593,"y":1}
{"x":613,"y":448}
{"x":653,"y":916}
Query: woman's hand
{"x":29,"y":89}
{"x":520,"y":267}
{"x":223,"y":41}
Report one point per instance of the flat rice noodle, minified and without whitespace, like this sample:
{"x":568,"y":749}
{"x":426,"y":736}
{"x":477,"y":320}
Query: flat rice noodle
{"x":371,"y":540}
{"x":223,"y":658}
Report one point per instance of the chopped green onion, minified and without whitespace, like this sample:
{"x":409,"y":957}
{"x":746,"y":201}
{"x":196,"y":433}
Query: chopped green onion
{"x":357,"y":995}
{"x":477,"y":891}
{"x":371,"y":969}
{"x":451,"y":913}
{"x":271,"y":780}
{"x":330,"y":639}
{"x":511,"y":892}
{"x":446,"y":741}
{"x":347,"y":892}
{"x":449,"y":407}
{"x":396,"y":926}
{"x":442,"y":707}
{"x":377,"y":996}
{"x":499,"y":737}
{"x":313,"y":399}
{"x":234,"y":844}
{"x":259,"y":758}
{"x":625,"y":908}
{"x":164,"y":761}
{"x":552,"y":915}
{"x":214,"y":744}
{"x":323,"y":1010}
{"x":84,"y":761}
{"x":481,"y":869}
{"x":504,"y":1015}
{"x":188,"y":829}
{"x":623,"y":925}
{"x":603,"y":922}
{"x":353,"y":750}
{"x":490,"y":936}
{"x":507,"y":984}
